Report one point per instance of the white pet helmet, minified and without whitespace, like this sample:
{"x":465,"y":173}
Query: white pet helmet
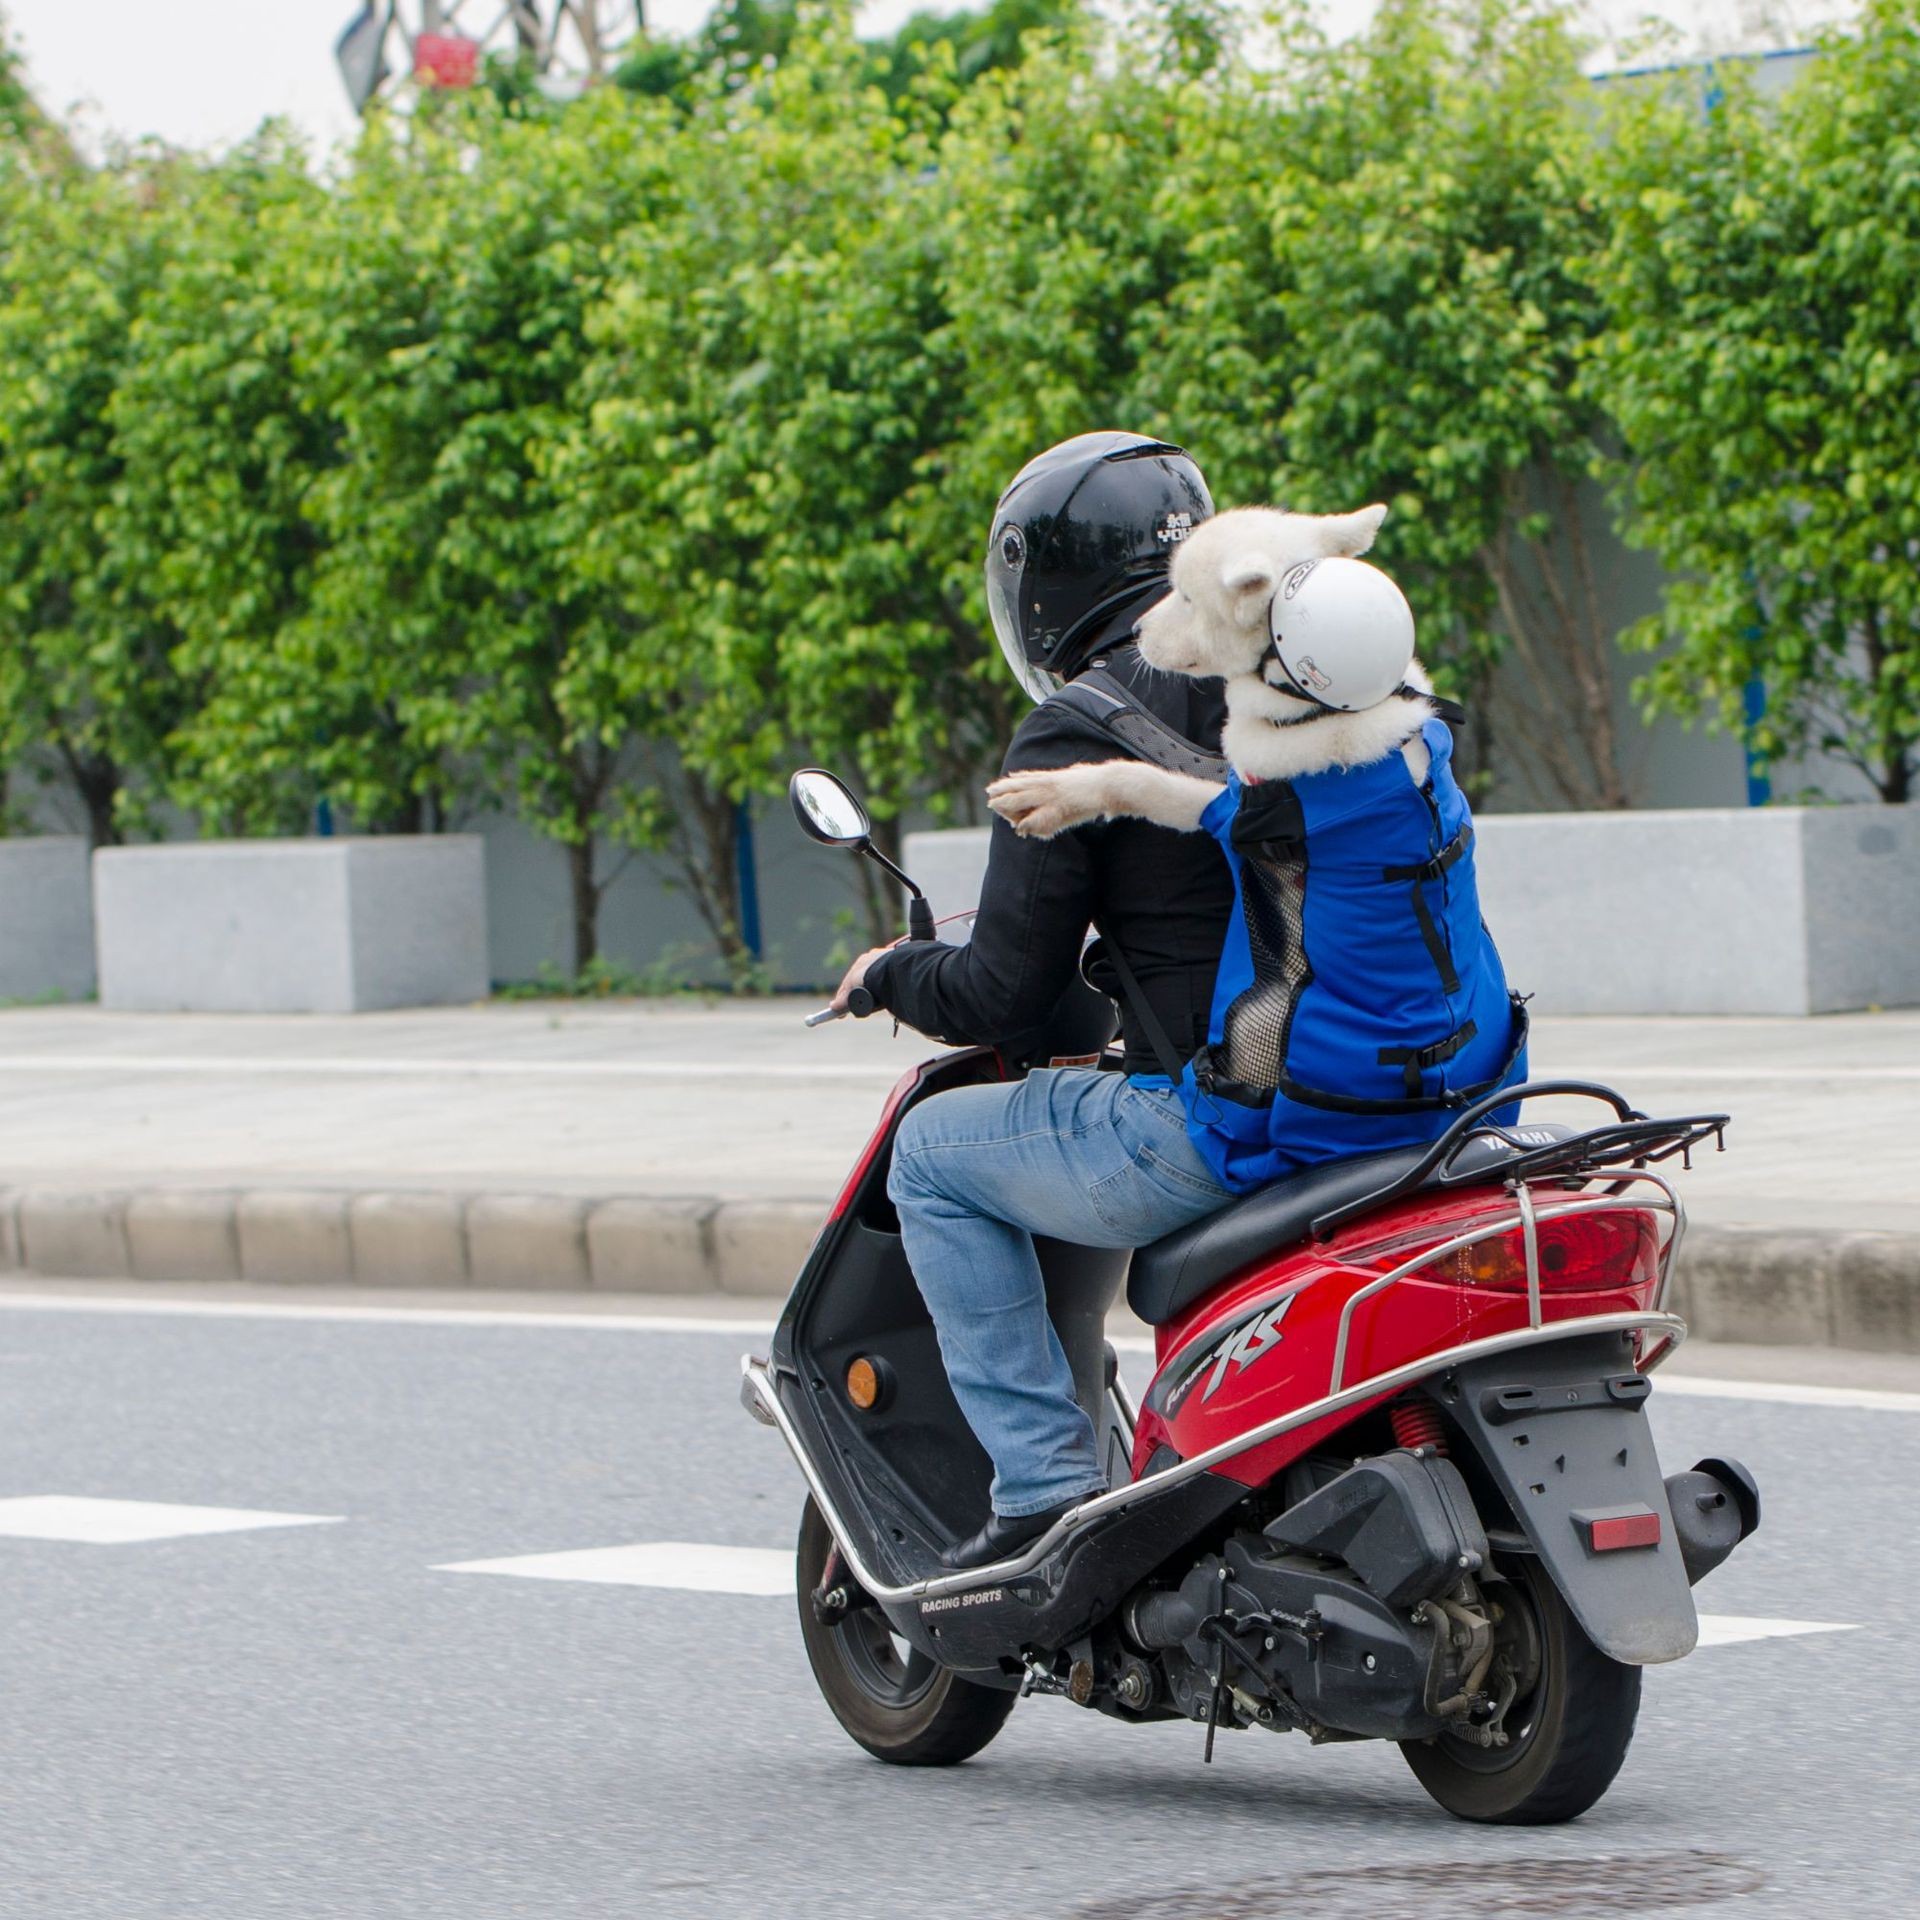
{"x":1342,"y":632}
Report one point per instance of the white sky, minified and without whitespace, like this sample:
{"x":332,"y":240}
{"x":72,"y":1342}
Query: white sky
{"x":206,"y":72}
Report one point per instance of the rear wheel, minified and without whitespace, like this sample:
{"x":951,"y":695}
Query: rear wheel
{"x":1570,"y":1723}
{"x":897,"y":1702}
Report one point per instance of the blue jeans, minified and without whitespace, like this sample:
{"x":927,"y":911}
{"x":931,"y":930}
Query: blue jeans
{"x":1072,"y":1154}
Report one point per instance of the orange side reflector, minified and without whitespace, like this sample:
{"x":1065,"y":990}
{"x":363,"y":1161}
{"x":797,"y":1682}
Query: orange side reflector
{"x":863,"y":1385}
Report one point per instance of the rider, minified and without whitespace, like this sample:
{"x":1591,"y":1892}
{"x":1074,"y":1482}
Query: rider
{"x":1078,"y":552}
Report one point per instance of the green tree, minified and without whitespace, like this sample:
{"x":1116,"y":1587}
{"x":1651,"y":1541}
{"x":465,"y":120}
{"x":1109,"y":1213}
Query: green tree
{"x":220,"y":446}
{"x":18,"y":113}
{"x":1763,"y":364}
{"x":449,"y":346}
{"x":87,"y":681}
{"x":1433,"y":324}
{"x":1054,"y":247}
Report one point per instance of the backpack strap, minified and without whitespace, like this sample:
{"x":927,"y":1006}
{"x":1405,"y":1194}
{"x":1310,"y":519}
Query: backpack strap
{"x":1097,"y":696}
{"x":1158,"y":1039}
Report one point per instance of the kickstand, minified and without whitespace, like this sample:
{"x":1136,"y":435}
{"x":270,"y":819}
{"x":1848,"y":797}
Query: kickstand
{"x":1219,"y":1672}
{"x":1213,"y":1711}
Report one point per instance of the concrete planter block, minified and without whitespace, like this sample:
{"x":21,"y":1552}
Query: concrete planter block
{"x":408,"y":1240}
{"x":1769,"y":910}
{"x":1877,"y":1293}
{"x":1764,"y":910}
{"x":294,"y":1238}
{"x":527,"y":1240}
{"x":651,"y":1246}
{"x":292,"y":926}
{"x":1760,"y":1286}
{"x":759,"y":1246}
{"x":76,"y":1236}
{"x":46,"y":919}
{"x":183,"y":1236}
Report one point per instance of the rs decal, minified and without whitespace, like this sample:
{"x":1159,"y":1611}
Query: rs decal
{"x":1242,"y":1348}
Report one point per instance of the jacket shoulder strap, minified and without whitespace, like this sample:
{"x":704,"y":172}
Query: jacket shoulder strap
{"x":1097,"y":696}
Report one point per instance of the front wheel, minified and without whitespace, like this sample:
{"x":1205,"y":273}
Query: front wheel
{"x":897,"y":1702}
{"x":1569,"y":1725}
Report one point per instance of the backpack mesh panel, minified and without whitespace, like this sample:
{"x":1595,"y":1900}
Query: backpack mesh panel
{"x":1254,"y":1033}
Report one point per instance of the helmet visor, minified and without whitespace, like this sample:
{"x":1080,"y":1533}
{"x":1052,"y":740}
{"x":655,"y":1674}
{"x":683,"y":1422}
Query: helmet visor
{"x":1006,"y":562}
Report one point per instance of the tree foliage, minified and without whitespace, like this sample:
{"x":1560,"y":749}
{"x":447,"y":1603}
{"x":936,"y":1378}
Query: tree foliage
{"x":87,"y":687}
{"x":600,"y":460}
{"x":1762,"y":360}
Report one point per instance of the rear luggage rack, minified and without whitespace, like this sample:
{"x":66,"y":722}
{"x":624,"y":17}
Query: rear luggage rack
{"x":1631,"y":1142}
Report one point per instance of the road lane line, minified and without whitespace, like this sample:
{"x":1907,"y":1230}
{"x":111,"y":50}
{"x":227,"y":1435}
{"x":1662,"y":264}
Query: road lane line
{"x":585,"y":1322}
{"x":119,"y":1523}
{"x":1729,"y":1629}
{"x":346,"y":1067}
{"x":686,"y":1566}
{"x":1787,"y":1393}
{"x":1782,"y":1392}
{"x":432,"y":1066}
{"x":683,"y":1565}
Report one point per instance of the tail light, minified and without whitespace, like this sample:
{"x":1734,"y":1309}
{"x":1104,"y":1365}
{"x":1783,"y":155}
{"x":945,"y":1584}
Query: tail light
{"x":1600,"y":1250}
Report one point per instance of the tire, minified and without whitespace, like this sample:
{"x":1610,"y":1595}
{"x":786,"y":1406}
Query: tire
{"x":902,"y":1706}
{"x":1571,"y":1728}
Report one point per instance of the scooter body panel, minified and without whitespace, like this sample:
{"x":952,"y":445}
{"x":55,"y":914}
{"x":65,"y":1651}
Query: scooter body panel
{"x":1270,"y":1340}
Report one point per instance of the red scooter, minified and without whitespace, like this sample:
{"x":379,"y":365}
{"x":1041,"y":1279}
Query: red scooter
{"x":1393,"y":1478}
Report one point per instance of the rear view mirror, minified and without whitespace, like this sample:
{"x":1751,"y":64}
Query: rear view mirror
{"x":826,"y":810}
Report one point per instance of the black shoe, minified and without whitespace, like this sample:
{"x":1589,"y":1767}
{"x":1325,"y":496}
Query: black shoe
{"x":1002,"y":1537}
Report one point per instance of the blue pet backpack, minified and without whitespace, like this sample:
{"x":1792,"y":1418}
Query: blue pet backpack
{"x":1360,"y":1001}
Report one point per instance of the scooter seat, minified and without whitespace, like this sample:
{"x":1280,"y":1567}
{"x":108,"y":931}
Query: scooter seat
{"x":1172,"y":1273}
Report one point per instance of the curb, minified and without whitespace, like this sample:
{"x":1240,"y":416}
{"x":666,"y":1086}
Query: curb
{"x":1763,"y":1286}
{"x":515,"y":1241}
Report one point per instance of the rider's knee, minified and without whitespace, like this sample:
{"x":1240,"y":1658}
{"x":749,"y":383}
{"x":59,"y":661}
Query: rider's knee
{"x":906,"y":1177}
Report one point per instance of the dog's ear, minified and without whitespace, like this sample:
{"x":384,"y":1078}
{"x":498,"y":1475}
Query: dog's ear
{"x":1351,"y":534}
{"x":1248,"y":580}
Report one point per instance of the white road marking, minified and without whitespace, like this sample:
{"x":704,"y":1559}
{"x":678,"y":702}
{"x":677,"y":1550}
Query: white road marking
{"x":584,"y":1322}
{"x":1782,"y":1392}
{"x":352,"y":1066}
{"x":292,"y":1066}
{"x":118,"y":1523}
{"x":1729,"y":1629}
{"x":688,"y":1567}
{"x":680,"y":1564}
{"x":1787,"y":1393}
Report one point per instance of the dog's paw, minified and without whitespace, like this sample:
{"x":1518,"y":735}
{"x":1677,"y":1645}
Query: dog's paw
{"x":1041,"y":804}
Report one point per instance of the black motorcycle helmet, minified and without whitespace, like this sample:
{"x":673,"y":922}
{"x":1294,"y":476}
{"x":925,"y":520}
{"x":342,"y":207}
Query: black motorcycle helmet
{"x":1081,"y":538}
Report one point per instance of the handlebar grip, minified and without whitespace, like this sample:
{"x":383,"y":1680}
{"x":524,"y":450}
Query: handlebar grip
{"x":860,"y":1003}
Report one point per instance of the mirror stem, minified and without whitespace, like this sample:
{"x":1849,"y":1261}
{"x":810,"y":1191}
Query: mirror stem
{"x":919,"y":913}
{"x":873,"y":853}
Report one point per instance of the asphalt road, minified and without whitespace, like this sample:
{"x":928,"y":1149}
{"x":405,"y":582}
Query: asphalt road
{"x":315,"y":1718}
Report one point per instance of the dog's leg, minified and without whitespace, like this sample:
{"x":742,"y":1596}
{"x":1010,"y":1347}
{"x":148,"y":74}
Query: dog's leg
{"x":1043,"y":803}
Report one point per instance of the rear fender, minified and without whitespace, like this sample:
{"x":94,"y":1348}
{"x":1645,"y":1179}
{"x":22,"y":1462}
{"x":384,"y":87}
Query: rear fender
{"x":1562,"y":1431}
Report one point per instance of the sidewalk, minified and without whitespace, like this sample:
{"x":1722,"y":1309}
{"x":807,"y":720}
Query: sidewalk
{"x":466,"y":1145}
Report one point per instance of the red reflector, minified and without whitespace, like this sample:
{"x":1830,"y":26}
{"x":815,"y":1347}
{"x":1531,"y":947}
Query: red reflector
{"x":1609,"y":1533}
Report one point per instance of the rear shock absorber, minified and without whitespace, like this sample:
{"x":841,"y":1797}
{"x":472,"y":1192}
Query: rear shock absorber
{"x":1416,"y":1423}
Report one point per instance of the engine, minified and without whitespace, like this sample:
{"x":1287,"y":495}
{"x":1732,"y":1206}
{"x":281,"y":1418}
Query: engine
{"x":1359,"y":1612}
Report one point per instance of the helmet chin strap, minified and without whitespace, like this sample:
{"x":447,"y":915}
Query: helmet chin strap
{"x":1450,"y":711}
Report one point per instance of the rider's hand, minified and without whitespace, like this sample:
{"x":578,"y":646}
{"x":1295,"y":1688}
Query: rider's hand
{"x":857,"y":975}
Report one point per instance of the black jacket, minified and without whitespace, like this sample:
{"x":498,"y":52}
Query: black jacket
{"x":1162,"y":897}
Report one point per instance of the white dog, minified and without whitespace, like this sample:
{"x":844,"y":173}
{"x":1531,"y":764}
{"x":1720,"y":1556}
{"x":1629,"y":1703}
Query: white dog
{"x":1215,"y":622}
